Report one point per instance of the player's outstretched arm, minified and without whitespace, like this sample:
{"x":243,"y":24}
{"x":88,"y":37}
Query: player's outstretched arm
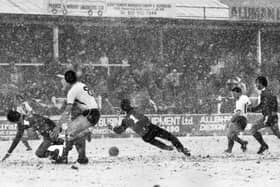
{"x":5,"y":157}
{"x":15,"y":142}
{"x":119,"y":129}
{"x":109,"y":126}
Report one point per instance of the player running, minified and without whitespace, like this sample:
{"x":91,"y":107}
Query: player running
{"x":238,"y":121}
{"x":268,"y":106}
{"x":79,"y":94}
{"x":148,"y":131}
{"x":38,"y":123}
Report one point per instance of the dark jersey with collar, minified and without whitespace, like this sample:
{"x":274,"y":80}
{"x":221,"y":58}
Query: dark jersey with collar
{"x":138,"y":122}
{"x":268,"y":104}
{"x":37,"y":122}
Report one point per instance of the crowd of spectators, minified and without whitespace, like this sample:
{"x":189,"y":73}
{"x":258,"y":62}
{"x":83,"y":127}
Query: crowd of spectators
{"x":171,"y":70}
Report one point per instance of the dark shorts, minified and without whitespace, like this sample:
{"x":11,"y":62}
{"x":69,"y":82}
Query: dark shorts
{"x":151,"y":132}
{"x":237,"y":126}
{"x":241,"y":122}
{"x":272,"y":120}
{"x":92,"y":115}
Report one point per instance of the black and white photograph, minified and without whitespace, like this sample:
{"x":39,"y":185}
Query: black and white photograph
{"x":139,"y":93}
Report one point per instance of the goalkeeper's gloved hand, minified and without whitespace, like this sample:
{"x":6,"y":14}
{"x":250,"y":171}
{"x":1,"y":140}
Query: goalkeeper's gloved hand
{"x":109,"y":126}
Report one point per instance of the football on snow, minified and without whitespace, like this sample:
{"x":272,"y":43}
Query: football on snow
{"x":113,"y":151}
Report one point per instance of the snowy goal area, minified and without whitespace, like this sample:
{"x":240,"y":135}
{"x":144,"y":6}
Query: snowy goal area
{"x":140,"y":164}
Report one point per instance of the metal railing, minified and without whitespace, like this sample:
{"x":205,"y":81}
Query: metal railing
{"x":22,"y":64}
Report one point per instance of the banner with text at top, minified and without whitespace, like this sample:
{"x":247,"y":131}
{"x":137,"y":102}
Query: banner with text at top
{"x":114,"y":8}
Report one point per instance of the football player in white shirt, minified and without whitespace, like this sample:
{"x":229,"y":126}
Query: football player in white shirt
{"x":80,"y":95}
{"x":238,"y":121}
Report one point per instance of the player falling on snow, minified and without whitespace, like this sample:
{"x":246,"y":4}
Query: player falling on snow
{"x":268,"y":106}
{"x":45,"y":127}
{"x":80,"y":95}
{"x":238,"y":121}
{"x":38,"y":123}
{"x":148,"y":131}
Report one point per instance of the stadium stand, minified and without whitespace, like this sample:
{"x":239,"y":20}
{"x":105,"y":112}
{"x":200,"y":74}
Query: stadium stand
{"x":163,"y":68}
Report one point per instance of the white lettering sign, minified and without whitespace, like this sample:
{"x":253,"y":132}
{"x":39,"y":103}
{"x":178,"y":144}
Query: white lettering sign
{"x":212,"y":127}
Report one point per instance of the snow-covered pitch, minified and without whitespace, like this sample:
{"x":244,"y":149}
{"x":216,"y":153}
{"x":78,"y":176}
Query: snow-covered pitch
{"x":142,"y":165}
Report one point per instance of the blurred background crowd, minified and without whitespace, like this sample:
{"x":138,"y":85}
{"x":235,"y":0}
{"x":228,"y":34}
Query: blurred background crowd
{"x":162,"y":70}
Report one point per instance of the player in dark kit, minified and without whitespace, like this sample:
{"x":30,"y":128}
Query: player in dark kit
{"x":268,"y":106}
{"x":148,"y":131}
{"x":45,"y":127}
{"x":38,"y":123}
